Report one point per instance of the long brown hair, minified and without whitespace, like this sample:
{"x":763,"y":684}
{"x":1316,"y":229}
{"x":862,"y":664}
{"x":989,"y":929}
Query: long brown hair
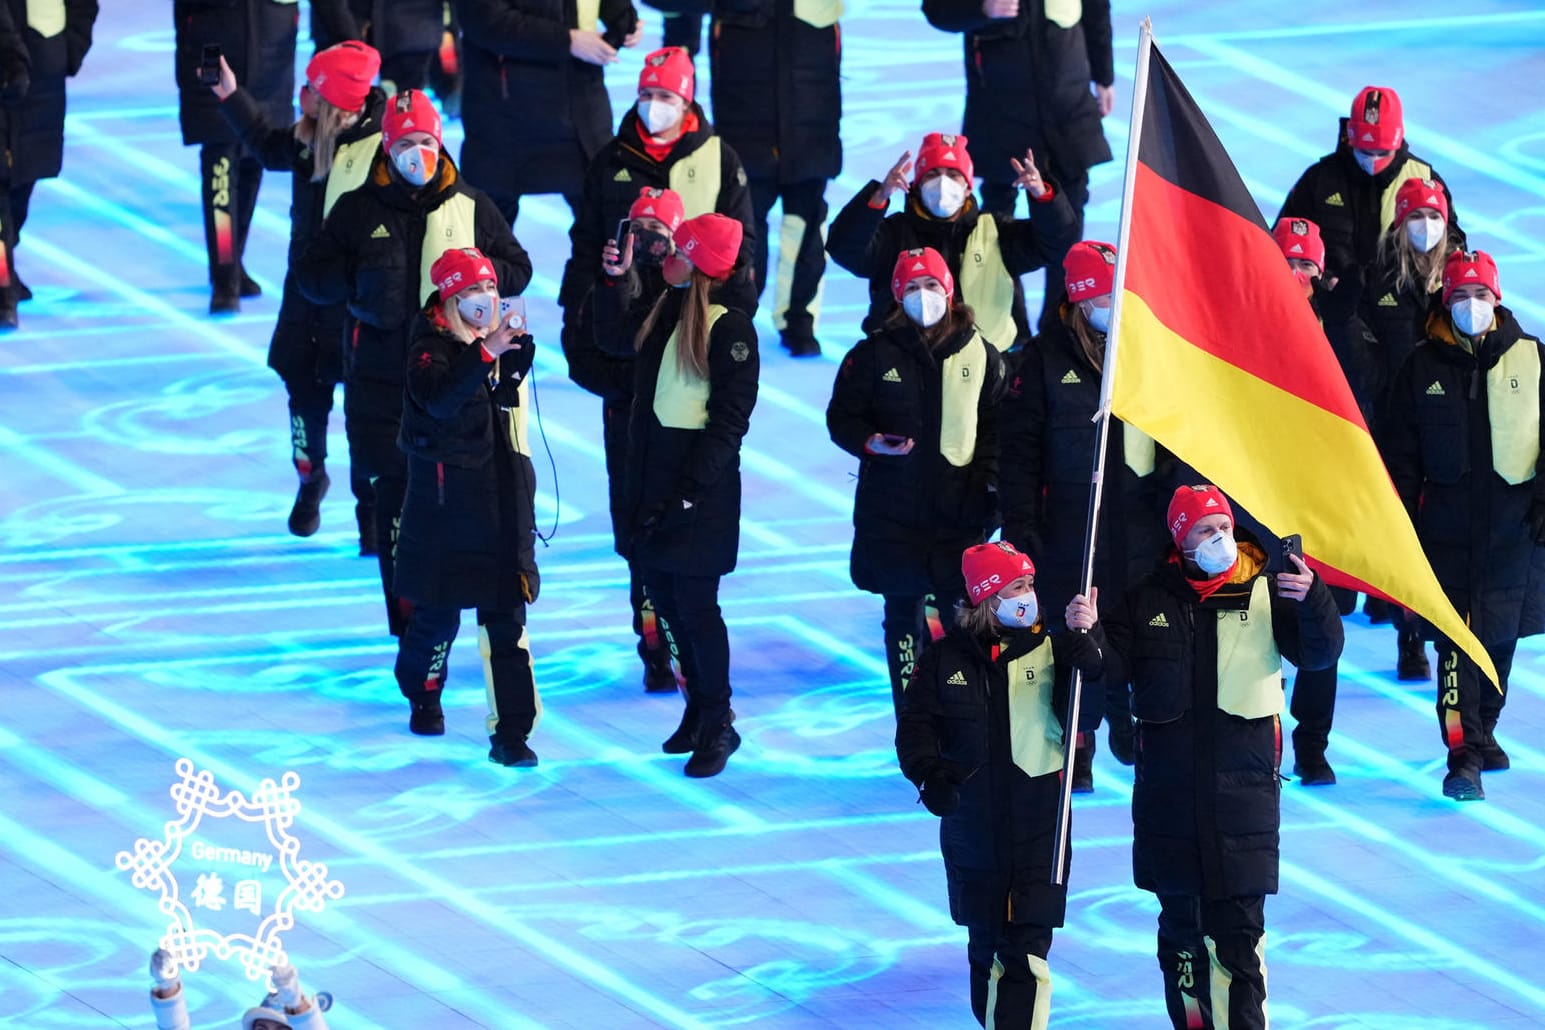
{"x":978,"y":620}
{"x":692,"y":325}
{"x":1090,"y":341}
{"x":1416,"y":271}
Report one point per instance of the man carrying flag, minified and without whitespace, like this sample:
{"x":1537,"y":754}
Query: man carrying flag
{"x":1265,"y":403}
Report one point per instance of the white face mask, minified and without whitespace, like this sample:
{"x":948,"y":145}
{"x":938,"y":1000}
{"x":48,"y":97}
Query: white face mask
{"x":477,"y":309}
{"x":1473,"y":317}
{"x":659,"y":115}
{"x":925,"y":307}
{"x":1019,"y":611}
{"x":417,"y":164}
{"x":943,"y":196}
{"x":1216,"y":554}
{"x":1427,"y":232}
{"x":1098,"y":317}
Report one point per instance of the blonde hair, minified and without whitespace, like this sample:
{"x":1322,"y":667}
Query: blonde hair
{"x":455,"y":323}
{"x":322,"y":135}
{"x":1416,"y":271}
{"x":692,"y":326}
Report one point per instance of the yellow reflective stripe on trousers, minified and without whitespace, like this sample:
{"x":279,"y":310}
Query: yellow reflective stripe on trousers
{"x":791,"y":236}
{"x":1249,"y":665}
{"x":1040,"y":1012}
{"x":351,"y":164}
{"x":986,"y":285}
{"x":46,"y":17}
{"x":1220,"y":981}
{"x":960,"y":394}
{"x":696,"y":178}
{"x":1513,"y":408}
{"x":818,"y":13}
{"x":681,"y":398}
{"x":1035,"y":734}
{"x":485,"y":648}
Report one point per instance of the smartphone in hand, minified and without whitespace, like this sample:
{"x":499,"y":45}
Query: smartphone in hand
{"x":623,"y":228}
{"x":1291,"y":544}
{"x":893,"y":439}
{"x":209,"y":65}
{"x":512,"y":312}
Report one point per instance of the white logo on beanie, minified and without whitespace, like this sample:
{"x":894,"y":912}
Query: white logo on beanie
{"x":1212,"y":502}
{"x":408,"y":123}
{"x":919,"y":267}
{"x":949,"y":155}
{"x":1367,"y":137}
{"x":1298,"y":248}
{"x":648,"y":210}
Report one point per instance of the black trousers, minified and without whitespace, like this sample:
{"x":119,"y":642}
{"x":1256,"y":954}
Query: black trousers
{"x":693,"y":627}
{"x":1000,"y":196}
{"x":910,"y":623}
{"x":801,"y":249}
{"x":424,"y":650}
{"x":1468,"y":705}
{"x":231,"y":178}
{"x":373,"y":455}
{"x":685,"y":28}
{"x":1010,"y":981}
{"x":509,"y":202}
{"x":1212,"y":958}
{"x":14,"y":203}
{"x":652,"y":647}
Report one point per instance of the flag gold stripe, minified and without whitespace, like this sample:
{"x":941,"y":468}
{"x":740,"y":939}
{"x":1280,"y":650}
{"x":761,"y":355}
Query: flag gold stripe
{"x":1296,"y":466}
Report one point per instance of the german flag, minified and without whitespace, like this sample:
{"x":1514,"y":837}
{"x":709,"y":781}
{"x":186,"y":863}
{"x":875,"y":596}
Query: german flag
{"x":1218,"y":356}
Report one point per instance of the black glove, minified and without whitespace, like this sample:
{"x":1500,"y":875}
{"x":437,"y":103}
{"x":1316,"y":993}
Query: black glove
{"x":1535,"y":520}
{"x":15,"y":79}
{"x":664,"y":510}
{"x":939,"y":793}
{"x":1337,"y":304}
{"x":616,"y":34}
{"x":516,"y":364}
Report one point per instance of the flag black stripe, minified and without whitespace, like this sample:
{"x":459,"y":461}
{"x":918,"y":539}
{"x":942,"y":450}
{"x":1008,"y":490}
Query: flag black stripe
{"x":1179,"y":145}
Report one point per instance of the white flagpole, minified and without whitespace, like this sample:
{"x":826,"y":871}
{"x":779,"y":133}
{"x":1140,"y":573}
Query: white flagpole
{"x":1060,"y":848}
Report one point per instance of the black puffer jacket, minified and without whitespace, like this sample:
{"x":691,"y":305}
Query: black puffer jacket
{"x":1205,"y":804}
{"x":534,"y":115}
{"x":369,"y":253}
{"x":913,"y":514}
{"x":667,"y":466}
{"x":1027,"y":85}
{"x":468,"y":520}
{"x":32,"y":128}
{"x":1438,"y":446}
{"x":612,"y":183}
{"x":777,"y":89}
{"x":1047,"y":437}
{"x":300,"y":321}
{"x":865,"y":240}
{"x":1348,"y":203}
{"x":257,"y":39}
{"x":1396,"y":320}
{"x":391,"y":26}
{"x":998,"y":844}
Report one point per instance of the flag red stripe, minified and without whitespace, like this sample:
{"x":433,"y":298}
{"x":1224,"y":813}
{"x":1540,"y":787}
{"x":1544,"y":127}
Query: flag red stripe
{"x":1196,"y":265}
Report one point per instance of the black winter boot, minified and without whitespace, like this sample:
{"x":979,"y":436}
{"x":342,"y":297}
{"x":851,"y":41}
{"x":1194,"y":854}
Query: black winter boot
{"x":427,"y":718}
{"x":1412,"y":662}
{"x":659,"y":677}
{"x":517,"y":755}
{"x":685,"y":737}
{"x":306,"y":515}
{"x":713,"y":751}
{"x":1083,"y":764}
{"x":1311,"y":768}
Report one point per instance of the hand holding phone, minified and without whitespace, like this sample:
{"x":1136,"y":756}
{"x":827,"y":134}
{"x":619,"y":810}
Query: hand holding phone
{"x":512,"y":313}
{"x":1292,"y":544}
{"x":1295,"y":579}
{"x":890,"y":444}
{"x":209,"y":65}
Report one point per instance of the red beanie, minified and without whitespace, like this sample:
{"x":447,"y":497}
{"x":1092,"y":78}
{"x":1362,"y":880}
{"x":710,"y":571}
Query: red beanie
{"x":669,"y":68}
{"x":941,"y":150}
{"x":409,"y":111}
{"x":1462,"y":269}
{"x":1300,"y":238}
{"x":988,"y":568}
{"x":661,"y":205}
{"x":1377,"y":122}
{"x":711,"y":242}
{"x":1419,"y":193}
{"x":911,"y":264}
{"x":459,"y":268}
{"x":342,"y":74}
{"x":1190,"y":505}
{"x":1091,"y":270}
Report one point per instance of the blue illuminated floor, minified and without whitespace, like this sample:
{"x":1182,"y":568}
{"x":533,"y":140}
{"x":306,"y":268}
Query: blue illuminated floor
{"x":153,"y":608}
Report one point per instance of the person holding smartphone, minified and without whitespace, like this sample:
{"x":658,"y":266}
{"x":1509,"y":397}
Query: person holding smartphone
{"x":1201,"y":637}
{"x":468,"y":516}
{"x":915,"y":403}
{"x":694,"y":388}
